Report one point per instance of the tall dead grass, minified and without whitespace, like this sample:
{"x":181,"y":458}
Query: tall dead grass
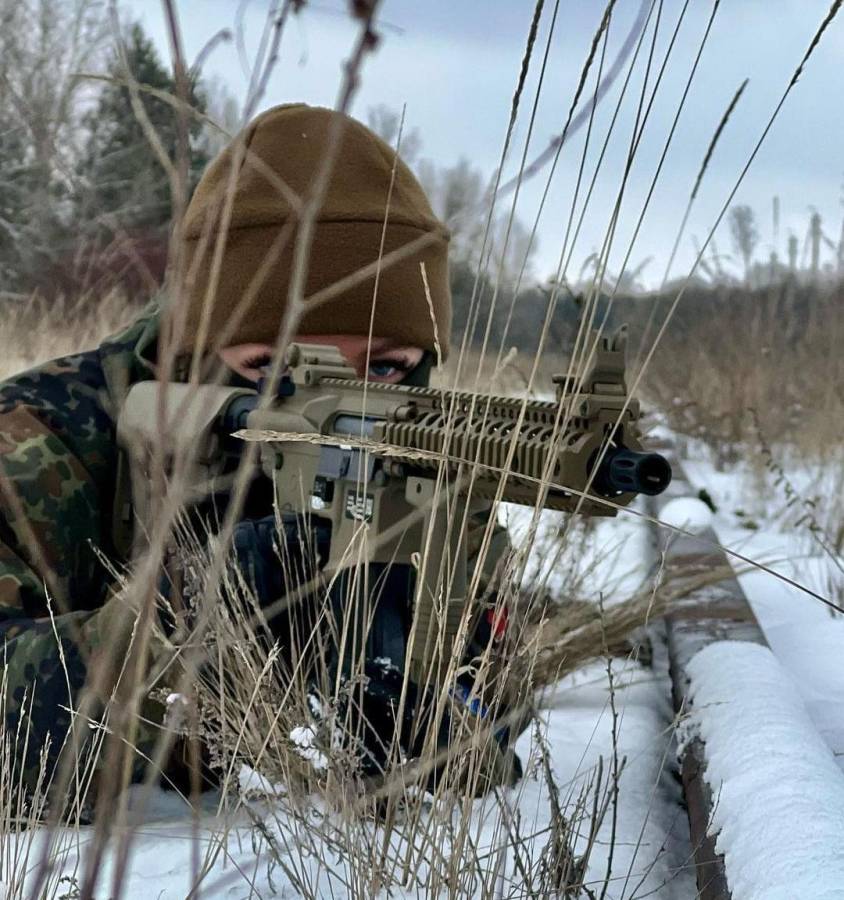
{"x":757,"y":377}
{"x":252,"y":719}
{"x":36,"y":330}
{"x":742,"y":361}
{"x":234,"y":701}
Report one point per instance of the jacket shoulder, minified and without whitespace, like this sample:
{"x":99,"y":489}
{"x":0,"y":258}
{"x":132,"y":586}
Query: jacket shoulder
{"x":75,"y":394}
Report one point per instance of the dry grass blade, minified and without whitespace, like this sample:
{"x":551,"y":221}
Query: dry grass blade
{"x":267,"y":715}
{"x":315,"y":198}
{"x":573,"y":123}
{"x":833,"y":11}
{"x":585,"y":636}
{"x":722,"y":124}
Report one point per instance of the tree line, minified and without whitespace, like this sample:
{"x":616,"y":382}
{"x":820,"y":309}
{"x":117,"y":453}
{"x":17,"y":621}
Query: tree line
{"x":81,"y":191}
{"x":85,"y":202}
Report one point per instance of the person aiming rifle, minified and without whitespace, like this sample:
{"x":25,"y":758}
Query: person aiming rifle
{"x":72,"y":504}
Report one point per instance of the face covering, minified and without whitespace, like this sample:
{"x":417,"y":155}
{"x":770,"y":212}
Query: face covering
{"x":420,"y":375}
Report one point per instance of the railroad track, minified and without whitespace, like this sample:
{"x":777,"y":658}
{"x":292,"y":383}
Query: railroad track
{"x":713,"y":613}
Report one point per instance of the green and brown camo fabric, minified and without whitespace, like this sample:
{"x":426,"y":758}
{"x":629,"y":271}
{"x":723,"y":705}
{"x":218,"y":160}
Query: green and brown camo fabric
{"x":58,"y":461}
{"x":58,"y":465}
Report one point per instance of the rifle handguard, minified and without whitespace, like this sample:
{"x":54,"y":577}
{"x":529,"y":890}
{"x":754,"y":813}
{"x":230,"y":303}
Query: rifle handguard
{"x":394,"y":471}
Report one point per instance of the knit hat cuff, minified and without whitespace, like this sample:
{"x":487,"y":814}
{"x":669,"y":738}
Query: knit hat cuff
{"x":251,"y":291}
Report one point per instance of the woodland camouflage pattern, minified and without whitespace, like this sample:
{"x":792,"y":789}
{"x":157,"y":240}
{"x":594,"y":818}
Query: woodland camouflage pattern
{"x":58,"y":461}
{"x":58,"y":464}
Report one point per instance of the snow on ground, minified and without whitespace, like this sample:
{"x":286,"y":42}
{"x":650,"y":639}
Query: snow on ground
{"x":803,"y":634}
{"x":773,"y":720}
{"x":779,"y":796}
{"x":650,"y":853}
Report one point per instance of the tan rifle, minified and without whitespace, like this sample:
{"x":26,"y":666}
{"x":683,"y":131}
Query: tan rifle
{"x":403,"y":466}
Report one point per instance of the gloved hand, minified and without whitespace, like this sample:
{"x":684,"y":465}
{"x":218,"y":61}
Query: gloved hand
{"x":366,"y":723}
{"x":466,"y":711}
{"x":370,"y":726}
{"x":254,"y":554}
{"x":255,"y":543}
{"x":378,"y":708}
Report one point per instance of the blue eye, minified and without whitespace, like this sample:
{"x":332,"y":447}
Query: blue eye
{"x":384,"y":369}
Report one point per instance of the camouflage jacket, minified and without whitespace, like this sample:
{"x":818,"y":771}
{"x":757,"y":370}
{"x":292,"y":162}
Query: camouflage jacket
{"x":58,"y":463}
{"x":58,"y":468}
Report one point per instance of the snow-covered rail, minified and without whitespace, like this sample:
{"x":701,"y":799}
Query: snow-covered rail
{"x":714,"y":613}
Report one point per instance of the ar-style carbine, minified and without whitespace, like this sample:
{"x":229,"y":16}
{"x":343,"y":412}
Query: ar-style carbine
{"x":406,"y":466}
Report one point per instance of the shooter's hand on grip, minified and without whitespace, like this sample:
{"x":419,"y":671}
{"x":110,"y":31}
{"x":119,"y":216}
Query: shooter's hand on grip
{"x":254,"y":543}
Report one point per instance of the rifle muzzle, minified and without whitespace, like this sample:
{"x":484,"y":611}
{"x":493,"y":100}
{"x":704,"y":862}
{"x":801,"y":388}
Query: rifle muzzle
{"x":623,"y":471}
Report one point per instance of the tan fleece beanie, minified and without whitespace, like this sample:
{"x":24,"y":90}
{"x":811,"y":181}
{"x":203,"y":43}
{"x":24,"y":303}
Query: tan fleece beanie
{"x":289,"y":142}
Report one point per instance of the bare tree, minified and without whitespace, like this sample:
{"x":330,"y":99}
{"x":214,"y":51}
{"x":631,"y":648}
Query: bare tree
{"x":224,"y":114}
{"x":44,"y":45}
{"x":385,"y":122}
{"x":744,"y":234}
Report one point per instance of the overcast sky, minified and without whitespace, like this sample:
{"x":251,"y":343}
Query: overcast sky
{"x":455,"y":63}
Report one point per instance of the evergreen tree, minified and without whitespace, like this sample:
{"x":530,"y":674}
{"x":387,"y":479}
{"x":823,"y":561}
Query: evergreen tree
{"x":31,"y":226}
{"x":124,"y":186}
{"x":13,"y":182}
{"x":43,"y":45}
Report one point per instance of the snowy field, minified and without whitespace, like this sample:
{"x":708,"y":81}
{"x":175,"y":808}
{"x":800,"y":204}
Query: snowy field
{"x":641,"y":849}
{"x":650,"y":849}
{"x":773,"y":720}
{"x":778,"y":809}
